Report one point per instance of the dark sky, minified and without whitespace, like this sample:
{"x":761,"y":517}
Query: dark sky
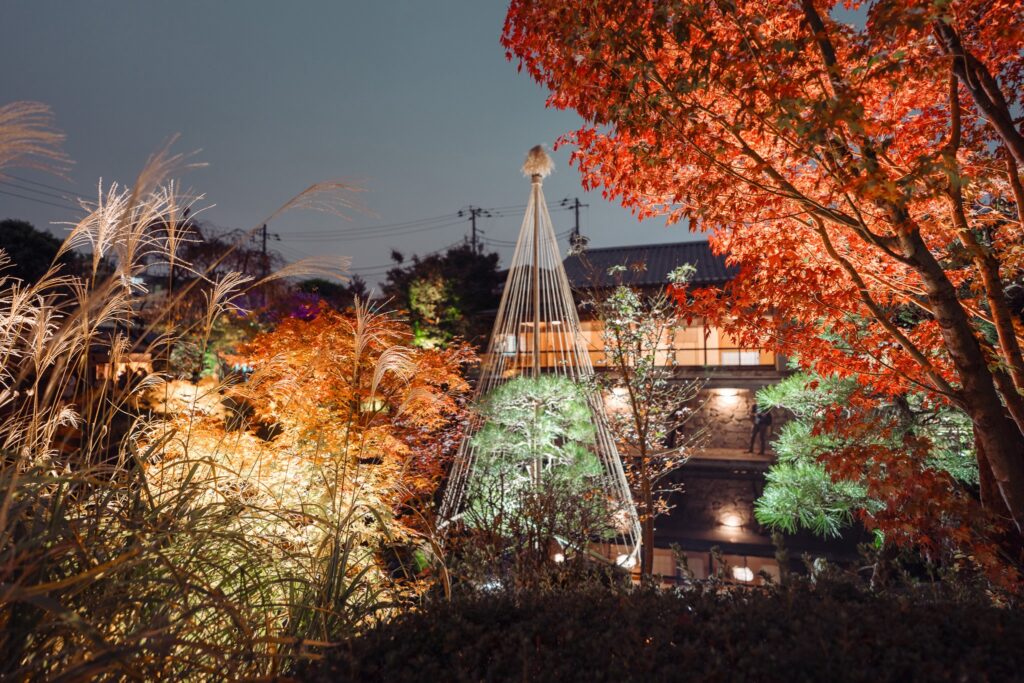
{"x":413,"y":100}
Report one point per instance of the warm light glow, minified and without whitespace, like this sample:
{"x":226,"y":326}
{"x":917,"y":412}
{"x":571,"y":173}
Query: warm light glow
{"x":372,"y":405}
{"x":731,"y":519}
{"x":728,"y":396}
{"x":559,"y":558}
{"x":743,"y":573}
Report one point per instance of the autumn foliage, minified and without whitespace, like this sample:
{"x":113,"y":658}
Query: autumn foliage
{"x":339,"y":412}
{"x":350,"y":388}
{"x":857,"y":161}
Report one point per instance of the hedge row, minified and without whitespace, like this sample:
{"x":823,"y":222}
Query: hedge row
{"x":795,"y":634}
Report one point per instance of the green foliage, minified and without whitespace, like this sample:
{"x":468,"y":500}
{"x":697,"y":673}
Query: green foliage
{"x":652,"y":408}
{"x":447,"y":295}
{"x":433,"y":306}
{"x":636,"y":326}
{"x":826,"y":631}
{"x":529,"y":423}
{"x":801,"y":494}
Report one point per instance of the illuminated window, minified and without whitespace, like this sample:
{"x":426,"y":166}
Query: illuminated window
{"x":743,"y":573}
{"x":741,"y":357}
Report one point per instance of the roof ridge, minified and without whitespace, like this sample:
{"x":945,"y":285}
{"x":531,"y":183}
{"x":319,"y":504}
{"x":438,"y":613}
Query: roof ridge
{"x":645,"y":246}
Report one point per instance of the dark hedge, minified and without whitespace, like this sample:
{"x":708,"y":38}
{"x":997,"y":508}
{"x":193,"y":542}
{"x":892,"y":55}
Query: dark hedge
{"x":795,"y":634}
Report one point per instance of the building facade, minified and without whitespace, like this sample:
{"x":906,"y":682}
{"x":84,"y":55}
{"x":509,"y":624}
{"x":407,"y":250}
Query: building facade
{"x":711,"y":524}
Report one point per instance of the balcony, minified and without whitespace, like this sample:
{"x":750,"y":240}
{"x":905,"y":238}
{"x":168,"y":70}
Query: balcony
{"x":689,"y":348}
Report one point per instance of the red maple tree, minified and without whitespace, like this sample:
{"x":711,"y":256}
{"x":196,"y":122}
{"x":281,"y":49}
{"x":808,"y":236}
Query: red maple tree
{"x":858,"y":162}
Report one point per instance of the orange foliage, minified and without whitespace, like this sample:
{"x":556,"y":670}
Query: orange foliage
{"x":860,"y":173}
{"x":350,"y":389}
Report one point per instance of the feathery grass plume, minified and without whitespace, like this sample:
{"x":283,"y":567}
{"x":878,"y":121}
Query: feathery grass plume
{"x":396,"y":360}
{"x":159,"y":167}
{"x":328,"y":267}
{"x":28,"y":139}
{"x":221,"y":299}
{"x":332,"y":197}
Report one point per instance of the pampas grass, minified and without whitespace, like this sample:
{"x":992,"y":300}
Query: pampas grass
{"x":27,"y":138}
{"x":159,"y":545}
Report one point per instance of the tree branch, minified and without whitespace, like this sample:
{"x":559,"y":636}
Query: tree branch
{"x":940,"y":382}
{"x":983,"y":88}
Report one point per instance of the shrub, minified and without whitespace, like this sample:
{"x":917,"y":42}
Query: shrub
{"x":831,"y":632}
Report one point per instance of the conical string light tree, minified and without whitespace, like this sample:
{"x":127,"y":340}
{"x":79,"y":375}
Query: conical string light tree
{"x":537,"y":333}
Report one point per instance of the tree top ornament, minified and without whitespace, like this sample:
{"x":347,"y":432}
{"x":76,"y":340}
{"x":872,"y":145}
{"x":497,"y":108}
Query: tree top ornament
{"x":538,"y":163}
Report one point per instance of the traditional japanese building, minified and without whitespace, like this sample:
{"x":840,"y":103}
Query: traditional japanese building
{"x":722,"y":480}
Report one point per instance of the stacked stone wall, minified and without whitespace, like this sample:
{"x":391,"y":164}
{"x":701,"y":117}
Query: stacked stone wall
{"x":725,"y":414}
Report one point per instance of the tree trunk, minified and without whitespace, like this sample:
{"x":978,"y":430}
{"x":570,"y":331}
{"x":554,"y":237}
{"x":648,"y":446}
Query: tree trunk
{"x":988,"y":491}
{"x":998,"y":435}
{"x":646,"y":522}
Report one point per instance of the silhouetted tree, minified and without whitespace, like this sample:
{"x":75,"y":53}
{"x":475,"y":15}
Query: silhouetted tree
{"x":447,"y":295}
{"x":340,"y":296}
{"x":31,"y":250}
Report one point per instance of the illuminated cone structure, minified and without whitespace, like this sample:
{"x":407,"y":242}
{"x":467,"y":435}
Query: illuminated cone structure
{"x":537,"y":332}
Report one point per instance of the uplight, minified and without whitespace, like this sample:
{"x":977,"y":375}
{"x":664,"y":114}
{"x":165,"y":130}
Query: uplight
{"x":731,"y":519}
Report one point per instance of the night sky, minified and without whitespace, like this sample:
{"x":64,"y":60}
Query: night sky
{"x":414,"y":101}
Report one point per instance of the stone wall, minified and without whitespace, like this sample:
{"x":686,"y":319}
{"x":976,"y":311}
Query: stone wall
{"x":725,"y":413}
{"x":715,"y":501}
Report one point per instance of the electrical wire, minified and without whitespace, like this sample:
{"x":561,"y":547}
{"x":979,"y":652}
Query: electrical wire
{"x":39,"y":201}
{"x":387,"y":226}
{"x":375,"y":235}
{"x":405,"y":227}
{"x":71,"y":193}
{"x":26,"y":188}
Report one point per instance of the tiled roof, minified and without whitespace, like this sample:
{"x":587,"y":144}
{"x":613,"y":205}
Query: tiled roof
{"x":648,"y":264}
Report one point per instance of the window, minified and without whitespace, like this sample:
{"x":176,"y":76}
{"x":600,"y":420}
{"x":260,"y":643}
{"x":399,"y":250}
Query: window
{"x":509,"y":345}
{"x":741,"y":357}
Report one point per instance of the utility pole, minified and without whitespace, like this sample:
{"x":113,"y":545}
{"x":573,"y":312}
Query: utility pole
{"x":264,"y":261}
{"x":576,"y":208}
{"x":474,"y":212}
{"x":577,"y":242}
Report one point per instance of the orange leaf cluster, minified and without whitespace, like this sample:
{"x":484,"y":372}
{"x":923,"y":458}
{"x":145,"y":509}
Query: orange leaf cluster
{"x":350,"y":388}
{"x":856,"y":162}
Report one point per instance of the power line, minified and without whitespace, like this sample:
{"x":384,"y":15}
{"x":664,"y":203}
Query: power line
{"x":32,"y":189}
{"x":41,"y":201}
{"x":385,"y":268}
{"x":404,"y":224}
{"x":48,"y":187}
{"x":405,"y":227}
{"x":362,"y":236}
{"x":512,"y":243}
